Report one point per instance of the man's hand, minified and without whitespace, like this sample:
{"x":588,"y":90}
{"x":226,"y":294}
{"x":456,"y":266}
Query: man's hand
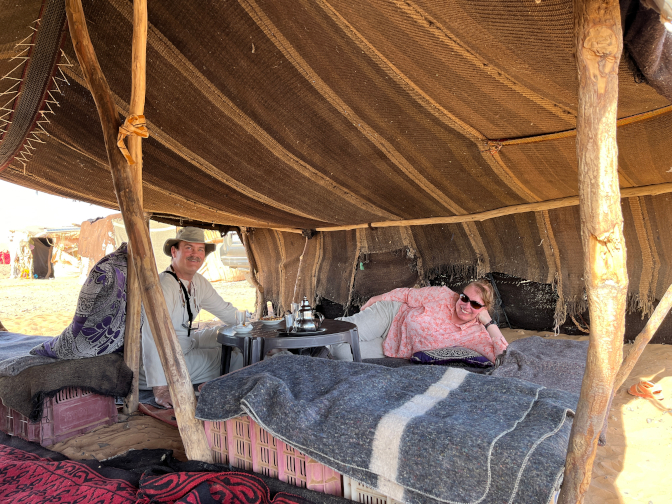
{"x":162,"y":396}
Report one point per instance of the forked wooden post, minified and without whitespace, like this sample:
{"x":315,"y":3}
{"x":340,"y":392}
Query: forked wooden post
{"x":643,"y":338}
{"x":170,"y":352}
{"x":133,"y":295}
{"x":599,"y":43}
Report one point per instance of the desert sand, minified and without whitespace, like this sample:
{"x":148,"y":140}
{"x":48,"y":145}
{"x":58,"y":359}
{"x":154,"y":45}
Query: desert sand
{"x":634,"y":467}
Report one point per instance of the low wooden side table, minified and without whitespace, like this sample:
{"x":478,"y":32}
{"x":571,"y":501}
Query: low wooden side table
{"x":263,"y":338}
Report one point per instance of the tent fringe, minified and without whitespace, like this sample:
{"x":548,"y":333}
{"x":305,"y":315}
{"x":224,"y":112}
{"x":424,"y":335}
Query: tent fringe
{"x":637,"y":303}
{"x":568,"y":308}
{"x":577,"y":305}
{"x":560,"y":314}
{"x":467,"y":271}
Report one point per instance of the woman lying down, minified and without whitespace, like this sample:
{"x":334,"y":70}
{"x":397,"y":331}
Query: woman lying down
{"x":405,"y":321}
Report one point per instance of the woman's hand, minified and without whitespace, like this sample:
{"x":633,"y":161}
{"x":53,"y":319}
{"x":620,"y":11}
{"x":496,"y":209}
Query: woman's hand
{"x":498,"y":340}
{"x":484,"y":317}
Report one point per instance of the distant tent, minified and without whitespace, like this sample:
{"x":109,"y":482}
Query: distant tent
{"x":42,"y":250}
{"x":102,"y":236}
{"x":65,"y":258}
{"x":158,"y":233}
{"x":37,"y":252}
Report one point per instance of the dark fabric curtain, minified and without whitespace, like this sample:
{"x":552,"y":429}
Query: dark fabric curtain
{"x":42,"y":258}
{"x":649,"y":44}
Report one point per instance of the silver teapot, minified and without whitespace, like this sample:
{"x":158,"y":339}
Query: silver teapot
{"x":305,"y":319}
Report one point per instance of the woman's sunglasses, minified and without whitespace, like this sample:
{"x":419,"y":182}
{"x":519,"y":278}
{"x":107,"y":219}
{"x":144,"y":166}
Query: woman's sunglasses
{"x":475,"y":305}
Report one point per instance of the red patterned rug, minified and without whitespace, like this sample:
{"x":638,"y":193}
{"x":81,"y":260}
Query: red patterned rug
{"x":28,"y":478}
{"x":207,"y":488}
{"x":25,"y":477}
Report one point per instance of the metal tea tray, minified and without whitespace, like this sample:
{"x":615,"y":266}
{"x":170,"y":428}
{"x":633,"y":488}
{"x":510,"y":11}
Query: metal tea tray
{"x":284,"y":332}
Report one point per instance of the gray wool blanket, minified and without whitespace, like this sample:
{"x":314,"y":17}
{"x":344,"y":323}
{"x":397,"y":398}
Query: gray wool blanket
{"x":555,"y":363}
{"x":25,"y":392}
{"x":14,"y":356}
{"x":421,"y":434}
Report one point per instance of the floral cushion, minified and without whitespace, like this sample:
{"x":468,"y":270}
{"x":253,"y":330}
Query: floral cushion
{"x":100,"y":317}
{"x":451,"y":356}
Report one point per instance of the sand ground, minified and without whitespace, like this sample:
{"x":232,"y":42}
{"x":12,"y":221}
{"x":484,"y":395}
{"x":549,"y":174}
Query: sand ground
{"x":634,"y":467}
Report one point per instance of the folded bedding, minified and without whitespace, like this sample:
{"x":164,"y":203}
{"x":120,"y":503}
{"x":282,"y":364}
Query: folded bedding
{"x":25,"y":392}
{"x":554,"y":363}
{"x":14,"y":352}
{"x":420,"y":434}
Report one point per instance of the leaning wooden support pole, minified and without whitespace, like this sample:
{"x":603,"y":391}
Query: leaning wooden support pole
{"x":599,"y":45}
{"x":170,"y":352}
{"x":137,"y":106}
{"x":643,"y":338}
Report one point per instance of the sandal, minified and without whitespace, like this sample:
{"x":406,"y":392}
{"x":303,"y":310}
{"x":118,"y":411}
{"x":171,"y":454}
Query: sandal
{"x":647,"y":390}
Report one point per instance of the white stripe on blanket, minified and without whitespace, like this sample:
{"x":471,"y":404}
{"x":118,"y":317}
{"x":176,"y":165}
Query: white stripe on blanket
{"x":387,"y":440}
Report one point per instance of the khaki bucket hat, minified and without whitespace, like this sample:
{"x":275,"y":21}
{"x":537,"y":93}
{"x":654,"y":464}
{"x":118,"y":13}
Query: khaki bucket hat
{"x":188,"y":234}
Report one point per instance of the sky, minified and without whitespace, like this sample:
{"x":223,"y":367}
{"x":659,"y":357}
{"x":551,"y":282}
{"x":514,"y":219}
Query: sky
{"x":21,"y":207}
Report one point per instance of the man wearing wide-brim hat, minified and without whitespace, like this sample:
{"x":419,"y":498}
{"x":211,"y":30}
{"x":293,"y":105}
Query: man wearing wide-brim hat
{"x":186,"y":292}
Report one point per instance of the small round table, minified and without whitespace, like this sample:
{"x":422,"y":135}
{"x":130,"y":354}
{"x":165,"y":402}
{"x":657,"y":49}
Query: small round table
{"x":263,"y":338}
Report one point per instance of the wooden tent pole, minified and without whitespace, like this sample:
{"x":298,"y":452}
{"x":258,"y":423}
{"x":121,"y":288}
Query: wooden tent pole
{"x":133,"y":295}
{"x":643,"y":338}
{"x":170,"y":352}
{"x":599,"y":43}
{"x":629,"y":192}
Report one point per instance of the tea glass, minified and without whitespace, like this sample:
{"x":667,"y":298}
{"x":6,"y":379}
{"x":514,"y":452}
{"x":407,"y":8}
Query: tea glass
{"x":241,"y":317}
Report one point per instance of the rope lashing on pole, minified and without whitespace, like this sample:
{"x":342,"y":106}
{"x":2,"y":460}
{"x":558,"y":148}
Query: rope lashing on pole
{"x":133,"y":125}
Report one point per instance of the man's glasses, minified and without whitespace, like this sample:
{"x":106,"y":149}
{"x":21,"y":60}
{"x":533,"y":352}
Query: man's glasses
{"x":475,"y":305}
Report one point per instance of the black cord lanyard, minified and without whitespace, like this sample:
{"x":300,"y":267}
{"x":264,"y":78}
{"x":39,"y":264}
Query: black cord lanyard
{"x":186,"y":295}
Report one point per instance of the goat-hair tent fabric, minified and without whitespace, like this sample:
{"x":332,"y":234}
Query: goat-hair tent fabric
{"x":542,"y":247}
{"x":316,"y":114}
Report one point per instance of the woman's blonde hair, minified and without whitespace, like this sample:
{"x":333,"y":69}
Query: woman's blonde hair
{"x":484,"y":288}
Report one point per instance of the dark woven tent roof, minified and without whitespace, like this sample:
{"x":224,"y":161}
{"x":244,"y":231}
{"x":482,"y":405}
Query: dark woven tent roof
{"x":277,"y":115}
